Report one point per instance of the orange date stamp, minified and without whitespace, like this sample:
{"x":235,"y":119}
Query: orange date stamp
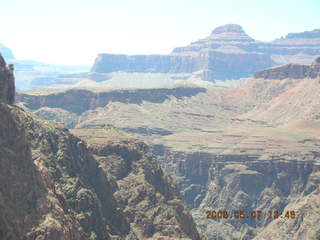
{"x":255,"y":214}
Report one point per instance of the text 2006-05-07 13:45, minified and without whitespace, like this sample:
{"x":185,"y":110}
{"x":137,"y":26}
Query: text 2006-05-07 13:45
{"x":255,"y":214}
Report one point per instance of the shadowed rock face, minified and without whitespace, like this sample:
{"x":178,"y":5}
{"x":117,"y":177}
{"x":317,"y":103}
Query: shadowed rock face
{"x":7,"y":88}
{"x":293,"y":71}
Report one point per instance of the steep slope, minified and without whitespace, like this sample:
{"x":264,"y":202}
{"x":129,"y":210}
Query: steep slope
{"x":293,"y":92}
{"x":53,"y":187}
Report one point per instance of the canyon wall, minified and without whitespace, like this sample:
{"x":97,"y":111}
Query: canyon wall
{"x":248,"y":183}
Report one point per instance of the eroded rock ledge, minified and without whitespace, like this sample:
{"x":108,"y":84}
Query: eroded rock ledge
{"x":294,"y":71}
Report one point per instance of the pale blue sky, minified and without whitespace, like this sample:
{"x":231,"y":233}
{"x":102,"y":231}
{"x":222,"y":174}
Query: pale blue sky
{"x":75,"y":31}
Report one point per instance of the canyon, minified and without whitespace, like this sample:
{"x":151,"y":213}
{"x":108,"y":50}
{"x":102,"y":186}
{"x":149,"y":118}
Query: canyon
{"x":253,"y":147}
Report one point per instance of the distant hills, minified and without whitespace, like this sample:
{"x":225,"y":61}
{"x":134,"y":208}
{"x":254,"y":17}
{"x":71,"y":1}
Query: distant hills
{"x":227,"y":53}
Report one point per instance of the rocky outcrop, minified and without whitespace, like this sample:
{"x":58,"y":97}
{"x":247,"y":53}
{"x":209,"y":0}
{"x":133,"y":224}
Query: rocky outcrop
{"x":292,"y":71}
{"x":148,"y":197}
{"x":231,"y":29}
{"x":7,"y":87}
{"x":228,"y":53}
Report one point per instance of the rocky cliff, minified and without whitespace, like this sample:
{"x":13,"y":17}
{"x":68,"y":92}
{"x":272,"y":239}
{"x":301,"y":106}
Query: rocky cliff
{"x":53,"y":186}
{"x":228,"y":53}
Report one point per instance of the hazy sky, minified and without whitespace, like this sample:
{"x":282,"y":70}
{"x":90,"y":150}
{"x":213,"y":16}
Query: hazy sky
{"x":75,"y":31}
